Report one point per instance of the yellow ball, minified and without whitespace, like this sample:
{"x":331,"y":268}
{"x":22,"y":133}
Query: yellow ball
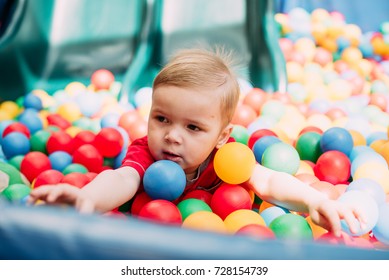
{"x":206,"y":221}
{"x":351,"y":55}
{"x":304,"y":168}
{"x":69,"y":111}
{"x":73,"y":130}
{"x":234,"y":163}
{"x":295,"y":72}
{"x":75,"y":88}
{"x":242,"y":217}
{"x":317,"y":230}
{"x":375,"y":171}
{"x":358,"y":138}
{"x":10,"y":108}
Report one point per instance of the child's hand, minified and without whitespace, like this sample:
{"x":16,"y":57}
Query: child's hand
{"x":328,"y":214}
{"x":62,"y":193}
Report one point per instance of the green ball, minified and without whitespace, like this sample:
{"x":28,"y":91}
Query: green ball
{"x":38,"y":141}
{"x":16,"y":161}
{"x":291,"y":226}
{"x":192,"y":205}
{"x":281,"y":157}
{"x":16,"y":192}
{"x":240,"y":134}
{"x":15,"y":176}
{"x":308,"y":146}
{"x":74,"y":167}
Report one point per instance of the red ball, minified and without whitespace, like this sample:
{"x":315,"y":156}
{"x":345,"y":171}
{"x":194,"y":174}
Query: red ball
{"x":83,"y":137}
{"x":16,"y":127}
{"x":90,"y":157}
{"x":333,"y":167}
{"x":48,"y":177}
{"x":139,"y":201}
{"x":310,"y":129}
{"x":161,"y":211}
{"x":58,"y":121}
{"x":229,"y":198}
{"x":258,"y":231}
{"x":258,"y":134}
{"x":109,"y":142}
{"x":102,"y":79}
{"x":33,"y":164}
{"x":76,"y":179}
{"x":60,"y":141}
{"x":199,"y":194}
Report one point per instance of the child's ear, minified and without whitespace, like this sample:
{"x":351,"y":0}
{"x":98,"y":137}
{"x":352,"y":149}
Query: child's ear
{"x":223,"y":138}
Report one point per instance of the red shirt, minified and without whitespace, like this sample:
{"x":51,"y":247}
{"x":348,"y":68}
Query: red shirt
{"x":139,"y":157}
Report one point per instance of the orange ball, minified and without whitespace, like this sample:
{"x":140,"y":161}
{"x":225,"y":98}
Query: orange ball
{"x":102,"y":79}
{"x":243,"y":217}
{"x":255,"y":99}
{"x":244,"y":115}
{"x":358,"y":138}
{"x":206,"y":221}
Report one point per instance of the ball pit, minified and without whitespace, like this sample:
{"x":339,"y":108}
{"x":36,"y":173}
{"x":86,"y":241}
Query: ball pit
{"x":335,"y":115}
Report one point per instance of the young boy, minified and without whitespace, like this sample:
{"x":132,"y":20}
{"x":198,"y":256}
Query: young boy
{"x":193,"y":102}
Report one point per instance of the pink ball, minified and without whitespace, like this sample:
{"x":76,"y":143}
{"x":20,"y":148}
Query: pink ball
{"x":102,"y":79}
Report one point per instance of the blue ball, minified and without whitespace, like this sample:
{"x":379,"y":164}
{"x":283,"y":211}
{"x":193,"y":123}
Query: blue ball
{"x":164,"y":179}
{"x":338,"y":139}
{"x":381,"y":229}
{"x":60,"y":160}
{"x":32,"y":101}
{"x":31,"y":120}
{"x":262,"y":144}
{"x":14,"y":144}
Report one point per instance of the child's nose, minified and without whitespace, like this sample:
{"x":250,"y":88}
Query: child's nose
{"x":173,"y":135}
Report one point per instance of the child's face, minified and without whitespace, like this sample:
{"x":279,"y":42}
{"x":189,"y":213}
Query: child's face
{"x":185,"y":125}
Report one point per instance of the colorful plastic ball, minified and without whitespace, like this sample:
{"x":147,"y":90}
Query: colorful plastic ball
{"x":192,"y":205}
{"x":291,"y":226}
{"x":317,"y":230}
{"x":258,"y":134}
{"x":33,"y":164}
{"x":89,"y":156}
{"x":164,"y":179}
{"x":272,"y":212}
{"x":110,"y":120}
{"x":31,"y":120}
{"x":199,"y":194}
{"x":60,"y":141}
{"x":262,"y":144}
{"x":204,"y":221}
{"x":76,"y":179}
{"x":308,"y":146}
{"x":102,"y":79}
{"x":375,"y":171}
{"x":370,"y":187}
{"x":364,"y":203}
{"x":381,"y":229}
{"x":229,"y":198}
{"x":333,"y":167}
{"x":16,"y":192}
{"x":255,"y":98}
{"x":32,"y":101}
{"x":338,"y":139}
{"x":109,"y":142}
{"x":161,"y":211}
{"x":244,"y":115}
{"x":48,"y":177}
{"x":242,"y":217}
{"x":240,"y":134}
{"x":75,"y":167}
{"x":16,"y":161}
{"x":83,"y":137}
{"x":15,"y":143}
{"x":16,"y":127}
{"x":14,"y":176}
{"x":38,"y":141}
{"x":60,"y":160}
{"x":234,"y":163}
{"x":58,"y":121}
{"x":281,"y":157}
{"x":256,"y":231}
{"x":139,"y":201}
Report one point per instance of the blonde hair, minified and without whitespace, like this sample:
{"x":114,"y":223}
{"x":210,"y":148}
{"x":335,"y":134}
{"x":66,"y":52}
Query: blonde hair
{"x":203,"y":69}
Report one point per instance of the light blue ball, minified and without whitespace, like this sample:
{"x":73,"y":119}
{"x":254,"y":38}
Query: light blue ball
{"x":366,"y":204}
{"x":32,"y":101}
{"x":164,"y":179}
{"x":370,"y":187}
{"x":370,"y":156}
{"x":381,"y":229}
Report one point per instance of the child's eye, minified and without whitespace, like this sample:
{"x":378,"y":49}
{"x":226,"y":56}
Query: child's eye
{"x":193,"y":127}
{"x":161,"y":119}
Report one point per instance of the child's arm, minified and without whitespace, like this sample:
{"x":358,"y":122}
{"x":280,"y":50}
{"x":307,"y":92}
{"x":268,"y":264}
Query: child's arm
{"x":287,"y":191}
{"x":108,"y":190}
